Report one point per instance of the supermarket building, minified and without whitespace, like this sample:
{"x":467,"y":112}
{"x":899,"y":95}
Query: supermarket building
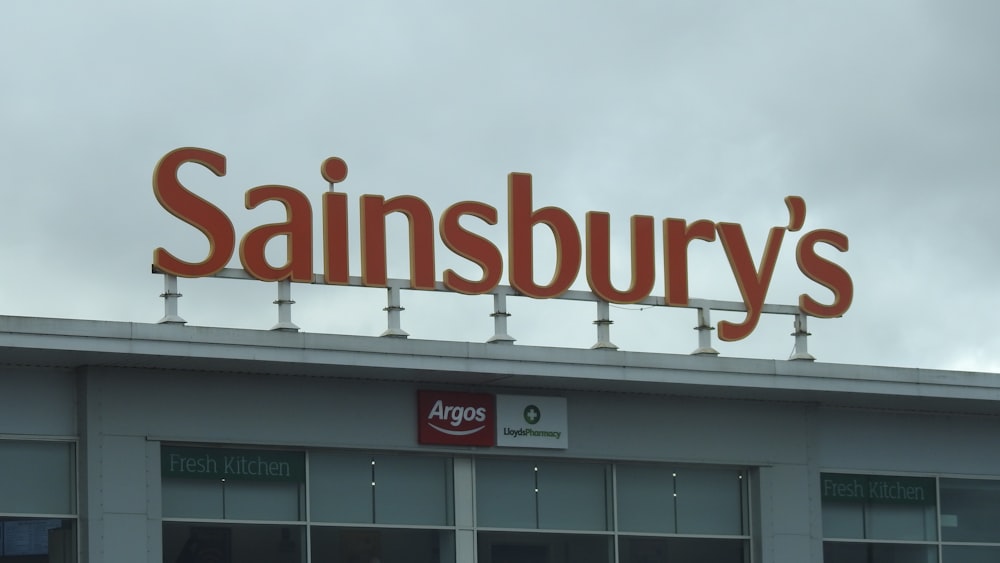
{"x":162,"y":442}
{"x":127,"y":442}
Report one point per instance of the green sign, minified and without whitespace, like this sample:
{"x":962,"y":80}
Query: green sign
{"x":878,"y":489}
{"x":224,"y":463}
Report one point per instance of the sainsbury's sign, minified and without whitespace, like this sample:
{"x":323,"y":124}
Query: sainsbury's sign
{"x":592,"y":251}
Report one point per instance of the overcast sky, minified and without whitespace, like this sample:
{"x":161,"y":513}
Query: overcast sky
{"x":884,"y":116}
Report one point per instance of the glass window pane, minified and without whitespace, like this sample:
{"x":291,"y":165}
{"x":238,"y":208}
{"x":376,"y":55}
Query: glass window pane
{"x":846,"y":552}
{"x":882,"y":522}
{"x":364,"y":545}
{"x":682,"y":550}
{"x":234,"y":500}
{"x":412,"y":490}
{"x":37,"y":539}
{"x":970,"y":554}
{"x":246,"y":543}
{"x":340,"y":485}
{"x":520,"y":547}
{"x":262,"y":500}
{"x":901,"y":522}
{"x":36,"y":477}
{"x":843,"y":520}
{"x":505,"y":493}
{"x":572,"y":496}
{"x":970,"y":510}
{"x":645,"y":499}
{"x":709,"y":501}
{"x":192,"y":498}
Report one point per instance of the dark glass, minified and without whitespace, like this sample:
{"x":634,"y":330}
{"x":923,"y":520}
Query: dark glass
{"x":682,"y":550}
{"x":231,"y":543}
{"x":846,"y":552}
{"x":526,"y":547}
{"x":375,"y":545}
{"x":970,"y":554}
{"x":30,"y":540}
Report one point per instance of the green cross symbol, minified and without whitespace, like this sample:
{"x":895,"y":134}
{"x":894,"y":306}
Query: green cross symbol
{"x":532,"y":414}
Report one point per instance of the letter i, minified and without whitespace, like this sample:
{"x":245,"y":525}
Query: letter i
{"x":335,"y":255}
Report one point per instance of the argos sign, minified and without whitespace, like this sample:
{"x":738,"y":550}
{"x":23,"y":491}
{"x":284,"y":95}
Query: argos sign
{"x":456,"y":419}
{"x":591,"y":252}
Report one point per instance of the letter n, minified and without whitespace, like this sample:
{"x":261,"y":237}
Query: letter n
{"x":374,"y":209}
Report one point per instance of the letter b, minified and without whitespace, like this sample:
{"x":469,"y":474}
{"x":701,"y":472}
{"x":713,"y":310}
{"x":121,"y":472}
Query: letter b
{"x":521,"y":221}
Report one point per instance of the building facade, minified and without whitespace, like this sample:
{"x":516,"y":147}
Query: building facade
{"x":125,"y":442}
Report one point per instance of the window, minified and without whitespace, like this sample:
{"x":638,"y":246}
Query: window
{"x":340,"y":506}
{"x":659,"y":505}
{"x":358,"y":499}
{"x":248,"y":505}
{"x":37,"y":501}
{"x":258,"y":506}
{"x":548,"y":511}
{"x":970,"y":513}
{"x":659,"y":499}
{"x":879,"y":518}
{"x":542,"y":494}
{"x":892,"y":519}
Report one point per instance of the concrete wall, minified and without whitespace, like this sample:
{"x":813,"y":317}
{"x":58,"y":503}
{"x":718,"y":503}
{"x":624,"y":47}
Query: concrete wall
{"x":37,"y":402}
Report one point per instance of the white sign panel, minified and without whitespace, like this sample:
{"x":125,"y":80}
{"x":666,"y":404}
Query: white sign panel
{"x":532,"y":422}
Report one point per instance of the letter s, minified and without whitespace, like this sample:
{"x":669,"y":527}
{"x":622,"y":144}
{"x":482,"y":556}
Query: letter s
{"x":480,"y":414}
{"x":195,"y":211}
{"x":472,"y":247}
{"x":825,"y":273}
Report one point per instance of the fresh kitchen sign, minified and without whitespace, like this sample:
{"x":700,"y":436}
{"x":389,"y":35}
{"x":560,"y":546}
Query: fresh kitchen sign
{"x":878,"y":489}
{"x":224,"y":463}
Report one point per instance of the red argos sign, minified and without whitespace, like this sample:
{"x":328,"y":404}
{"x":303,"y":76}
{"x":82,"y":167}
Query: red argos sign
{"x":456,"y":419}
{"x":590,"y":252}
